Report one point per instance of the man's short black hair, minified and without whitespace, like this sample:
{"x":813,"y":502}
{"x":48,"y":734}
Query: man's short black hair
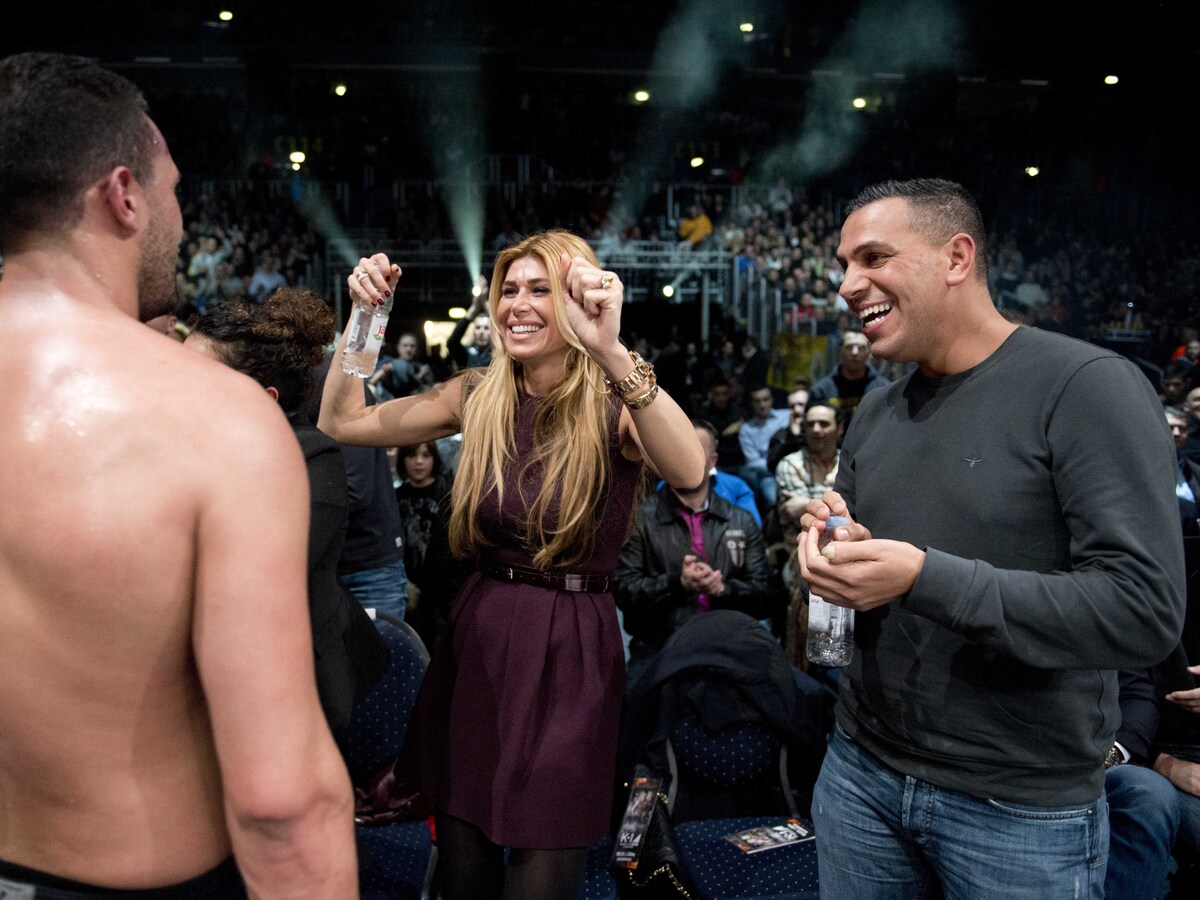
{"x":705,"y":425}
{"x":939,"y":209}
{"x":64,"y":123}
{"x":839,"y":414}
{"x":1178,"y":368}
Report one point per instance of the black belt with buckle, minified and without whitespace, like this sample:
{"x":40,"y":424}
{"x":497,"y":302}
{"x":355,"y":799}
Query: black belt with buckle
{"x":561,"y":581}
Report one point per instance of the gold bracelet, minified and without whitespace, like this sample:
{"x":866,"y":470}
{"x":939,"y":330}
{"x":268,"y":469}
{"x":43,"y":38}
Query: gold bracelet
{"x":641,"y":389}
{"x":642,"y":372}
{"x":643,"y":401}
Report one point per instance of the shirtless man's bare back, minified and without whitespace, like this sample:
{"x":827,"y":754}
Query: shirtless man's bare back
{"x":158,"y":710}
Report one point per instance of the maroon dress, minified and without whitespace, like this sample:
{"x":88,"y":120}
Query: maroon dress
{"x":518,"y":714}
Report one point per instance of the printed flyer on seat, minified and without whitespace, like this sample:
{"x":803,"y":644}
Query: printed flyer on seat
{"x":767,"y":837}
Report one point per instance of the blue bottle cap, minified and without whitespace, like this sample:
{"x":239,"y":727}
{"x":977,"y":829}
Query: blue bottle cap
{"x":836,"y":522}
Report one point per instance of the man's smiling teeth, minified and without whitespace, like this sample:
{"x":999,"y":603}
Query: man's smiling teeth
{"x":525,"y":329}
{"x":872,"y":311}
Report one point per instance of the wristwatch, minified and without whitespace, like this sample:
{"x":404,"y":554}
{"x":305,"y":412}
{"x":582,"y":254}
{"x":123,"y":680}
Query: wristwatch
{"x":1114,"y":758}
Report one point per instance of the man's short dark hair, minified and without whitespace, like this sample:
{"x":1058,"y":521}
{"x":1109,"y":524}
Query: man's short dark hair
{"x":839,"y":414}
{"x":64,"y":123}
{"x":705,"y":425}
{"x":1179,"y":368}
{"x":939,"y":209}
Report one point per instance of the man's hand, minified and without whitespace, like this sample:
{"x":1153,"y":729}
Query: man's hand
{"x":792,"y":507}
{"x":858,"y":573}
{"x":1188,"y":700}
{"x":712,"y":583}
{"x":698,"y":577}
{"x":832,"y":504}
{"x":689,"y":574}
{"x":1181,"y":773}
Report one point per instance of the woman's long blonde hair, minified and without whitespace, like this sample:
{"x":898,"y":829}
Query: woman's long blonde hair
{"x":570,"y":432}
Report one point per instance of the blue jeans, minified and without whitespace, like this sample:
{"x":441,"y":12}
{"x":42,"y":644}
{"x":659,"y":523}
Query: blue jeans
{"x":763,"y":482}
{"x":384,"y":589}
{"x":1143,"y":815}
{"x":888,"y":836}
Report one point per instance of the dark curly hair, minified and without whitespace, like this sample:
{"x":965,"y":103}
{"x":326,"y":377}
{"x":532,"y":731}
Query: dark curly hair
{"x":277,"y":342}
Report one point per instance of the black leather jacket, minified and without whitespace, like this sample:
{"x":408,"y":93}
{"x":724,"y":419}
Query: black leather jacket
{"x":646,"y":583}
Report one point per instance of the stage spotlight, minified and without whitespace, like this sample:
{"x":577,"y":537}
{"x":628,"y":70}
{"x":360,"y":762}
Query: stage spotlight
{"x":641,"y":96}
{"x":1111,"y":79}
{"x":859,"y":102}
{"x":297,"y":157}
{"x":697,"y":162}
{"x":340,"y":90}
{"x":1032,"y":171}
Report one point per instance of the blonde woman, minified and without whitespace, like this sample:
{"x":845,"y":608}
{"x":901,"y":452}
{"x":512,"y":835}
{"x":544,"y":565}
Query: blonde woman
{"x":518,"y":715}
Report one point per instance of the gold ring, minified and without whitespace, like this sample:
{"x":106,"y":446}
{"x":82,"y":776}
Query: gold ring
{"x":606,"y":280}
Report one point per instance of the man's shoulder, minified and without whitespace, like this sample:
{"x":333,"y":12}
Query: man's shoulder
{"x":734,"y":515}
{"x":824,"y":387}
{"x":1051,"y":350}
{"x":314,"y":442}
{"x":876,"y":379}
{"x":795,"y":458}
{"x":731,"y":482}
{"x":1062,"y":368}
{"x":656,"y":507}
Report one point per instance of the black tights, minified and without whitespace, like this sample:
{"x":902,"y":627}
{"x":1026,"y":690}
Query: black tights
{"x":472,"y":868}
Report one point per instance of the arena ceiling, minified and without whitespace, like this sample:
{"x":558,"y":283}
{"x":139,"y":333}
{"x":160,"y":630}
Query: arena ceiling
{"x":986,"y":39}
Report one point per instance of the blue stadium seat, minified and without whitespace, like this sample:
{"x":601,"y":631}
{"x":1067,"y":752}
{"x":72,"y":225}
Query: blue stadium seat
{"x":740,"y":756}
{"x":395,"y":862}
{"x":598,"y":883}
{"x":719,"y":869}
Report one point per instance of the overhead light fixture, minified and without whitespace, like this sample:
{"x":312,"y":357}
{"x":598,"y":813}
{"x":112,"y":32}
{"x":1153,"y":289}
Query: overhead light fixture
{"x":295,"y":167}
{"x":297,"y":156}
{"x":746,"y":27}
{"x":641,"y":96}
{"x":225,"y":15}
{"x":457,"y":312}
{"x":668,"y":290}
{"x":1032,"y":171}
{"x":859,"y":102}
{"x":340,"y":90}
{"x":697,"y":162}
{"x":1111,"y":79}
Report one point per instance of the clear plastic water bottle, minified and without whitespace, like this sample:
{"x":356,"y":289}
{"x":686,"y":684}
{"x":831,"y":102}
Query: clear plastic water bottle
{"x":830,"y":627}
{"x":367,"y":327}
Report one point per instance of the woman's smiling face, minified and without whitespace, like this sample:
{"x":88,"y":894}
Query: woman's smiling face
{"x":526,"y":314}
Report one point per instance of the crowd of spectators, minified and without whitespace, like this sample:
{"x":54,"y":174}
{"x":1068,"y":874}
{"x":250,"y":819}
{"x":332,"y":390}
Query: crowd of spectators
{"x":770,"y":450}
{"x":245,"y":244}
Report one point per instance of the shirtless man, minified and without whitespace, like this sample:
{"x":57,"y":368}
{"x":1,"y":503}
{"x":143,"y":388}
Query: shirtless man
{"x":158,"y":710}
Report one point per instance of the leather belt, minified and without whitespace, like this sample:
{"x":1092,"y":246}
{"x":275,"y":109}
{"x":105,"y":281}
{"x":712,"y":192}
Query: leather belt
{"x":588,"y":584}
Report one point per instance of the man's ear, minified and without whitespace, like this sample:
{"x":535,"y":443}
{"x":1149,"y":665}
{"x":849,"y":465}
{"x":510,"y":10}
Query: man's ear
{"x":961,"y":256}
{"x":123,"y":197}
{"x":274,"y":392}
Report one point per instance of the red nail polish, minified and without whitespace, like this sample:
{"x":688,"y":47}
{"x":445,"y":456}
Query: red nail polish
{"x":387,"y":293}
